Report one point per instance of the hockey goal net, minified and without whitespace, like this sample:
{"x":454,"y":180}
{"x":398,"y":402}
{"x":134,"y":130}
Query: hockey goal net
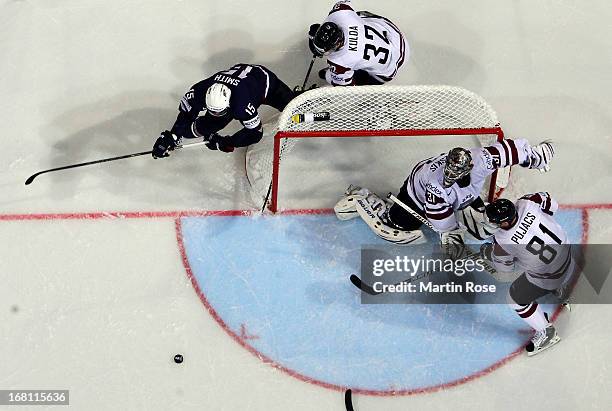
{"x":394,"y":126}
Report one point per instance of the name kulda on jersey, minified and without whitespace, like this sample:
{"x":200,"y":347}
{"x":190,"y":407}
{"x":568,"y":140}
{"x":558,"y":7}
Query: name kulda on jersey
{"x":353,"y":36}
{"x":523,"y":227}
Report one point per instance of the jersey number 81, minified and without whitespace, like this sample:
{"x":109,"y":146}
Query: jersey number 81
{"x":544,"y":252}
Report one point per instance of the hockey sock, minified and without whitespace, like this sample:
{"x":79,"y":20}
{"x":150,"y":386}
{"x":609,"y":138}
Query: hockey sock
{"x":532,"y":314}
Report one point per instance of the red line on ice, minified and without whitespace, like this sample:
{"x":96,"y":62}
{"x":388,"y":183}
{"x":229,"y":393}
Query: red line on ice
{"x":242,"y":337}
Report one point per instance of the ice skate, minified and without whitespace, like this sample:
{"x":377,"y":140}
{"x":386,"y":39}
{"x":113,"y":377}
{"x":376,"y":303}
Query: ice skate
{"x":542,"y":340}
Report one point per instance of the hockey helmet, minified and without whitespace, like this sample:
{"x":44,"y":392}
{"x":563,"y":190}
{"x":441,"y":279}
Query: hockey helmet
{"x":329,"y":37}
{"x":501,"y":211}
{"x":218,"y":99}
{"x":458,"y":165}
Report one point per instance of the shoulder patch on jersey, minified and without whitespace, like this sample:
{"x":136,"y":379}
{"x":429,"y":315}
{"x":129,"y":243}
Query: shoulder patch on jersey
{"x":337,"y":69}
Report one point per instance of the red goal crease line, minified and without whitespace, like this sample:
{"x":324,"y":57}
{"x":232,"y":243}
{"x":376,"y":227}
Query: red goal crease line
{"x":120,"y":215}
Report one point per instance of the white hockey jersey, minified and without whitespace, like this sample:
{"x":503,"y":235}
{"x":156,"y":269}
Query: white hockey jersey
{"x":371,"y":43}
{"x":536,"y":244}
{"x":425,"y":183}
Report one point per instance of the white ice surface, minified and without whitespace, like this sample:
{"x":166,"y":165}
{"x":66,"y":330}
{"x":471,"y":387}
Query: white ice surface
{"x":102,"y":306}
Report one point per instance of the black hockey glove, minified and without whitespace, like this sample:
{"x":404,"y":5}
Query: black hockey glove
{"x":478,"y":205}
{"x":221,"y":143}
{"x":311,"y":35}
{"x":164,"y":143}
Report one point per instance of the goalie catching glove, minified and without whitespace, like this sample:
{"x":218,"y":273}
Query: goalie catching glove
{"x":475,"y":221}
{"x":541,"y":155}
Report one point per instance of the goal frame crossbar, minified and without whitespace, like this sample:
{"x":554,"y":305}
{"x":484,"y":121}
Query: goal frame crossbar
{"x":273,"y":204}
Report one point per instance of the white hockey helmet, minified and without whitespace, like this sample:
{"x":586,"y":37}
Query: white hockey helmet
{"x":218,"y":99}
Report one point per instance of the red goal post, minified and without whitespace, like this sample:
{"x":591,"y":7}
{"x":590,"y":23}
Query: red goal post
{"x":382,"y":112}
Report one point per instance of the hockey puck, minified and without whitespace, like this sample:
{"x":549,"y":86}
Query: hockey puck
{"x":178,"y":358}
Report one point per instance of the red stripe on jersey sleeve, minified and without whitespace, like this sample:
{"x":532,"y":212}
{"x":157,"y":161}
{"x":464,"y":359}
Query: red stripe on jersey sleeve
{"x":339,"y":7}
{"x":336,"y":68}
{"x":515,"y":157}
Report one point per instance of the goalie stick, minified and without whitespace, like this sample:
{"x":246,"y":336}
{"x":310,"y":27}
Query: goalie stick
{"x":468,"y":254}
{"x":368,"y":289}
{"x":348,"y":400}
{"x":104,"y":160}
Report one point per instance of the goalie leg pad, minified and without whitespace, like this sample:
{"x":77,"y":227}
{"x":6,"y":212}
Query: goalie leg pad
{"x":346,"y":209}
{"x":371,"y":208}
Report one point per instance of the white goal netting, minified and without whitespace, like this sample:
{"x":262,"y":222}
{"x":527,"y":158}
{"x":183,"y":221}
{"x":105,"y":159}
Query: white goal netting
{"x":373,"y":112}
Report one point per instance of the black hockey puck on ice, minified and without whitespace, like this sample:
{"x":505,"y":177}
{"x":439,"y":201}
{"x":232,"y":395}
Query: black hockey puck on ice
{"x":178,"y":358}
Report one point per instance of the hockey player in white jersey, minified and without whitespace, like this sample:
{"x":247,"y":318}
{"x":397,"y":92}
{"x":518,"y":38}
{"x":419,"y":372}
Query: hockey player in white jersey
{"x":531,"y":240}
{"x":361,"y":48}
{"x":445,"y":190}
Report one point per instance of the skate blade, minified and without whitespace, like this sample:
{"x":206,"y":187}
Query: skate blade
{"x":552,"y":342}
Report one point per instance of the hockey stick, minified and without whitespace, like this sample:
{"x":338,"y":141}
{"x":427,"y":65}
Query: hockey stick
{"x":348,"y":400}
{"x":104,"y":160}
{"x":368,"y":289}
{"x":468,"y":253}
{"x":308,"y":72}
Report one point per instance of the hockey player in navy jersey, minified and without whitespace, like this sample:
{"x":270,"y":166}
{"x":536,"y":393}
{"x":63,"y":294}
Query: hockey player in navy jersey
{"x":211,"y":104}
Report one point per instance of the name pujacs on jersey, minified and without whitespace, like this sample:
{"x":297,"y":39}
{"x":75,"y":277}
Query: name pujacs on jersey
{"x":537,"y":244}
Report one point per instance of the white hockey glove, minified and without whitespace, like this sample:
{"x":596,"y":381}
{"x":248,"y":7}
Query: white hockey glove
{"x":541,"y":155}
{"x":476,"y":223}
{"x":452,"y":242}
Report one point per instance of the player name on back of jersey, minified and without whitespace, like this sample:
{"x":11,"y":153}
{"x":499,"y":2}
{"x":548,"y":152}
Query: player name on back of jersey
{"x":523,"y":227}
{"x":227,"y":80}
{"x":353,"y":35}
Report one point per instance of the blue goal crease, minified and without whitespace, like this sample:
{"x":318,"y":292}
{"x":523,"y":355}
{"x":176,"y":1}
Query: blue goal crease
{"x":284,"y":279}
